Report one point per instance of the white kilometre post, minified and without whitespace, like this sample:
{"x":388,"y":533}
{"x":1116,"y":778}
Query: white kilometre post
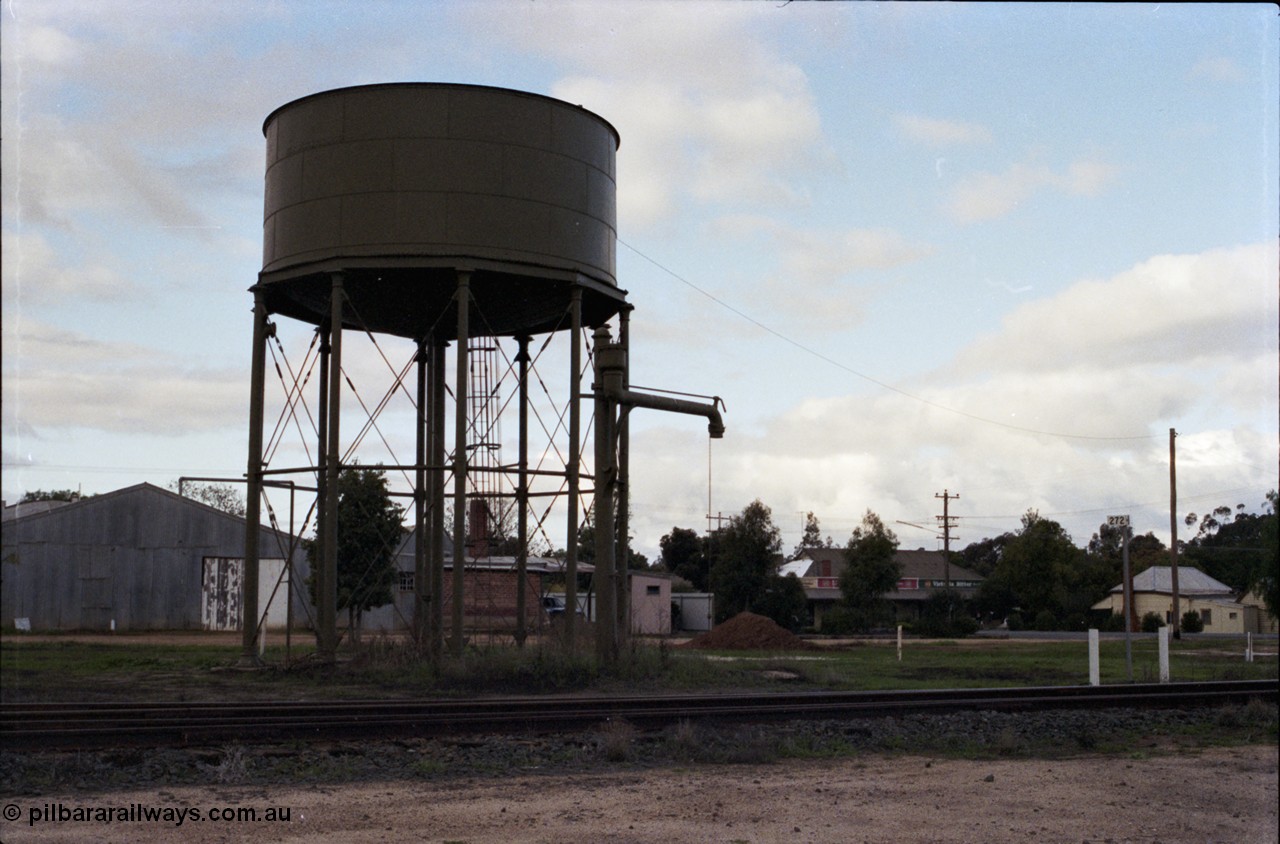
{"x":1164,"y":654}
{"x":1095,"y":672}
{"x":899,"y":643}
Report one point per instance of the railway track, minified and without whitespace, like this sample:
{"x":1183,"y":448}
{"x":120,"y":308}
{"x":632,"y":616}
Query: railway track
{"x":45,"y":726}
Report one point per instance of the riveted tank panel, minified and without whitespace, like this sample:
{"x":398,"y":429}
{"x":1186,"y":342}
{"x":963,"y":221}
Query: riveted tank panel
{"x":398,"y":187}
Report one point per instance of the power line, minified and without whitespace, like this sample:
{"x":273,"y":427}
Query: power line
{"x":1110,"y":508}
{"x":837,"y":364}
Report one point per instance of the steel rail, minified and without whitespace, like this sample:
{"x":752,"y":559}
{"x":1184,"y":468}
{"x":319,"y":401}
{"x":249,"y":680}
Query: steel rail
{"x":29,"y":726}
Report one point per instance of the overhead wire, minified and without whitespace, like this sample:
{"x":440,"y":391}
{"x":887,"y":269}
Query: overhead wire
{"x":882,"y":384}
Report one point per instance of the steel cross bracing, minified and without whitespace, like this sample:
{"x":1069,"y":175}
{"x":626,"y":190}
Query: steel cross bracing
{"x":488,"y":477}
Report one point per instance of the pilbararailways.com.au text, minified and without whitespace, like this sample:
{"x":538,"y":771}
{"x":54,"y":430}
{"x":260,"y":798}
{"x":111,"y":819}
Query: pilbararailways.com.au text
{"x":50,"y":813}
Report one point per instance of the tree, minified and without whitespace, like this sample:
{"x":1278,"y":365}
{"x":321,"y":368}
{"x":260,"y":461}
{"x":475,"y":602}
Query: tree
{"x":219,"y":496}
{"x":683,"y":555}
{"x":369,"y":526}
{"x":587,"y":547}
{"x":504,"y":532}
{"x":871,"y":571}
{"x":944,"y":614}
{"x":812,"y":536}
{"x":1045,"y":571}
{"x":983,"y":557}
{"x":742,"y":557}
{"x":784,"y":601}
{"x":50,"y":495}
{"x":1266,"y":580}
{"x":1230,"y":546}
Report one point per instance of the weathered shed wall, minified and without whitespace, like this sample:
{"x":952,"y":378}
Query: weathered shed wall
{"x":134,"y":557}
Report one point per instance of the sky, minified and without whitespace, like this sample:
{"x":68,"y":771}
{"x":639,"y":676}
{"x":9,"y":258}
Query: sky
{"x":993,"y":250}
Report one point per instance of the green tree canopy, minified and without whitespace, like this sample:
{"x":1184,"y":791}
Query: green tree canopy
{"x":984,"y":556}
{"x":587,"y":547}
{"x":1266,"y":580}
{"x":369,"y":528}
{"x":742,"y":559}
{"x":812,"y":536}
{"x":222,"y":497}
{"x":49,"y":495}
{"x":1044,"y":570}
{"x":871,"y":571}
{"x":683,"y":555}
{"x":1231,"y":544}
{"x":784,"y":601}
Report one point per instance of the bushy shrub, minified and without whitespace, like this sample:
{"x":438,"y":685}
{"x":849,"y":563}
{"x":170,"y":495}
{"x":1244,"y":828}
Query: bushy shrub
{"x":837,"y":621}
{"x":843,"y":619}
{"x":943,"y":615}
{"x":1075,"y":621}
{"x":1192,"y":622}
{"x":1014,"y":621}
{"x":1152,"y":622}
{"x":1045,"y":620}
{"x":1114,"y":623}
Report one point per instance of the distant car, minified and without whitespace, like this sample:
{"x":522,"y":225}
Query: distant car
{"x":554,"y":605}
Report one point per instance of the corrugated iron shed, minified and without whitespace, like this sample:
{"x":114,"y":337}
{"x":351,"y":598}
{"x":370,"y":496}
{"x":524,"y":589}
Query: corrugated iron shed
{"x":134,"y":558}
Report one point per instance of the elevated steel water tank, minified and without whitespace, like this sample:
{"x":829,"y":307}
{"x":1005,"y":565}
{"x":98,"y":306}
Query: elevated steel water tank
{"x":400,"y":186}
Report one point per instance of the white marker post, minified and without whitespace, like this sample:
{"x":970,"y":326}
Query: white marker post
{"x":899,"y":643}
{"x":1095,"y":672}
{"x":1248,"y":647}
{"x":1163,"y":635}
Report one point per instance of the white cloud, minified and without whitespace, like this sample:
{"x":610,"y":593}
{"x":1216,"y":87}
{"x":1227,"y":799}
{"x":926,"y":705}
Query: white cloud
{"x":1217,"y":69}
{"x":1173,"y":342}
{"x":938,"y":132}
{"x":986,"y":196}
{"x":36,"y":276}
{"x":61,"y":380}
{"x":815,"y":272}
{"x":49,"y":46}
{"x":709,"y":113}
{"x":1171,"y":309}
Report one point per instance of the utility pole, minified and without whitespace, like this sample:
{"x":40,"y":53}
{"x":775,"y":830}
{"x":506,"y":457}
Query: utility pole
{"x":1121,"y":523}
{"x":1176,"y":621}
{"x":946,"y":520}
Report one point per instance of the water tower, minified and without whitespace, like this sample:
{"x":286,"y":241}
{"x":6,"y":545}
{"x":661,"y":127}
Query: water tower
{"x":438,"y":213}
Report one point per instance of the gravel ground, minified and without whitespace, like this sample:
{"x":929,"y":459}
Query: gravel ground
{"x":619,"y":745}
{"x":1072,"y":776}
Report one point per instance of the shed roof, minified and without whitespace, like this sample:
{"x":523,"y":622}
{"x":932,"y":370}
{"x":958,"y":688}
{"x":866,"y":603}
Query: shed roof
{"x":136,"y":495}
{"x":1190,"y":582}
{"x":931,"y":565}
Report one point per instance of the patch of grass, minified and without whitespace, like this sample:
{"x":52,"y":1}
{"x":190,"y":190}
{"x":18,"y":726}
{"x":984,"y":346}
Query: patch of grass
{"x":808,"y":746}
{"x":233,"y":768}
{"x":616,"y":739}
{"x":62,"y":669}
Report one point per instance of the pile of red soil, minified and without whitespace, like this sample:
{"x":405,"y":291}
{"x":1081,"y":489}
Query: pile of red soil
{"x":749,"y":632}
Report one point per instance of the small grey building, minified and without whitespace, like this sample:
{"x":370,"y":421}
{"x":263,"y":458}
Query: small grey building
{"x":141,"y":558}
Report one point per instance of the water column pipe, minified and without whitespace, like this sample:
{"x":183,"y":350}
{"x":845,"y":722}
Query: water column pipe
{"x":622,"y":518}
{"x":613,"y":395}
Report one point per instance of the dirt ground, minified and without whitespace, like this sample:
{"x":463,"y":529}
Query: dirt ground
{"x":1215,"y":795}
